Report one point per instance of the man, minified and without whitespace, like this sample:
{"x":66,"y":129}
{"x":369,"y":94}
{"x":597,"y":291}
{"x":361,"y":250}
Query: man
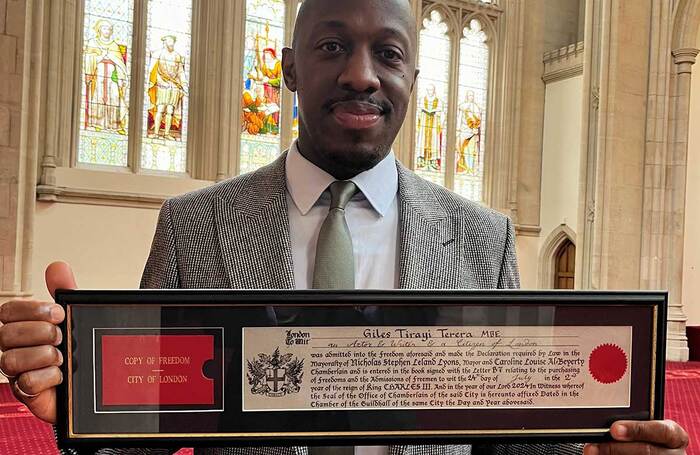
{"x":353,"y":67}
{"x":167,"y":88}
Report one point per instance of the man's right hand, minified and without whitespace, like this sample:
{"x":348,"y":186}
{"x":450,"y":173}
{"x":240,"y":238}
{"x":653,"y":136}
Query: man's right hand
{"x":28,"y":340}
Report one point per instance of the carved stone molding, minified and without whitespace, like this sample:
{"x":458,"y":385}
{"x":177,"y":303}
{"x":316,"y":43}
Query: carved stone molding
{"x":46,"y":193}
{"x":563,"y":63}
{"x":684,"y":59}
{"x":528,"y":230}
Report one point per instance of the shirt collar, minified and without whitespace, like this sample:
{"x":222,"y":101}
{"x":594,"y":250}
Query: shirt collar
{"x":306,"y":182}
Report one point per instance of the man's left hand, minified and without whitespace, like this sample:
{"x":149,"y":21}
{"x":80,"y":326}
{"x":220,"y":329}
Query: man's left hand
{"x":656,"y":437}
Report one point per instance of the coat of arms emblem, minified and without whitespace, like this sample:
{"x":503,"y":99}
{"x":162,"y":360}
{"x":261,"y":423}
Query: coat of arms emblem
{"x":275,"y":375}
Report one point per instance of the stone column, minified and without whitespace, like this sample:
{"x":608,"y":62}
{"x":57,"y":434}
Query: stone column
{"x":683,"y":60}
{"x":616,"y":68}
{"x":16,"y":167}
{"x":20,"y":64}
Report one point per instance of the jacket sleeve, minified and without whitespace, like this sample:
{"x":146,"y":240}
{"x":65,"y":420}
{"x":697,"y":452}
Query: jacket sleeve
{"x":528,"y":449}
{"x":161,"y":271}
{"x":509,"y":277}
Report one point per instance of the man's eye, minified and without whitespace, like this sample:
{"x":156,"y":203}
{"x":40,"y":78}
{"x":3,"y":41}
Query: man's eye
{"x":332,"y":47}
{"x":390,"y":54}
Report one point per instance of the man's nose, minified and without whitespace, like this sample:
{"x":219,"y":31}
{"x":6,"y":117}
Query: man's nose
{"x":359,"y":74}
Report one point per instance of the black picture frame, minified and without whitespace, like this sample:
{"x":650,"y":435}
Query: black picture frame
{"x":644,"y":310}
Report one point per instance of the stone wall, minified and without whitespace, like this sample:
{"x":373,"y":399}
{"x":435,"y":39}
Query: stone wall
{"x":12,"y":21}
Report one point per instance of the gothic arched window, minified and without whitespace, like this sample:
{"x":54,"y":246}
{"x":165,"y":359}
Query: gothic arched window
{"x":117,"y":103}
{"x":452,"y":98}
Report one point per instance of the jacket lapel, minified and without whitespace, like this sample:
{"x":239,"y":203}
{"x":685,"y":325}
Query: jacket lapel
{"x":252,"y":224}
{"x":430,"y":238}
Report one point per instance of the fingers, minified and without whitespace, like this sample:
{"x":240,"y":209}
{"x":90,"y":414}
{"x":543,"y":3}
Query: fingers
{"x":31,"y":310}
{"x":59,"y":275}
{"x":36,"y":381}
{"x":29,"y":333}
{"x":17,"y":361}
{"x":666,"y":433}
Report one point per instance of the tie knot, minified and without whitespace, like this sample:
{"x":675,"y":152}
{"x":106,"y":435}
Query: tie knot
{"x":341,"y":193}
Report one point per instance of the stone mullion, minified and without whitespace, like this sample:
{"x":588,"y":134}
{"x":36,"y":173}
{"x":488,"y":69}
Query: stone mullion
{"x":236,"y":121}
{"x":489,"y":177}
{"x":202,"y":160}
{"x":192,"y":156}
{"x":206,"y":88}
{"x":287,"y":97}
{"x":136,"y":84}
{"x":228,"y":90}
{"x":453,"y":103}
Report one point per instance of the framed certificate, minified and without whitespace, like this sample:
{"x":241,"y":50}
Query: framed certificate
{"x":230,"y":368}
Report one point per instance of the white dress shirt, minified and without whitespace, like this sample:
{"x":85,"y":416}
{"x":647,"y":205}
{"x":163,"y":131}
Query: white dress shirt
{"x":373,"y":219}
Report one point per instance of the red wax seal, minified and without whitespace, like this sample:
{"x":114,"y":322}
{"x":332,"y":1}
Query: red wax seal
{"x":607,"y":363}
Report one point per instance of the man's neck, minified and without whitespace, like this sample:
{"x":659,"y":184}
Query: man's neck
{"x":331,"y":168}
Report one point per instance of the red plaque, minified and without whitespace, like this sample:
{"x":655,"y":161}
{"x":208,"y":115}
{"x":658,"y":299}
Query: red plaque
{"x":156,"y":370}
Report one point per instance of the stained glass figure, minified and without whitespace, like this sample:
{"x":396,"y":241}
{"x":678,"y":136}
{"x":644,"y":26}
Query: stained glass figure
{"x":432,"y":92}
{"x":295,"y":118}
{"x":106,"y":66}
{"x":166,"y":97}
{"x":471,"y":113}
{"x":262,"y":75}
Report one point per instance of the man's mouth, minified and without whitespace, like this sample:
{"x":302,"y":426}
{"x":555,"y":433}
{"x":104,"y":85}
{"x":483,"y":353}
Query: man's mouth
{"x":356,"y":115}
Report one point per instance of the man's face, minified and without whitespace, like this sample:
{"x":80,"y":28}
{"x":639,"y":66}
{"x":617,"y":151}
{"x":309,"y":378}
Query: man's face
{"x":169,"y":43}
{"x":106,"y":31}
{"x":353,"y":67}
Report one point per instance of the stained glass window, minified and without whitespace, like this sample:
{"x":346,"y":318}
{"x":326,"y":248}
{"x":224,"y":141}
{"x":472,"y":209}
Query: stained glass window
{"x":262,"y":76}
{"x":166,"y":96}
{"x":471,"y":113}
{"x":106,"y":67}
{"x":432,"y":93}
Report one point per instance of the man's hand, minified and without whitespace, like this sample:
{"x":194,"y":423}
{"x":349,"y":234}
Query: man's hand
{"x":28,"y":340}
{"x":657,"y":437}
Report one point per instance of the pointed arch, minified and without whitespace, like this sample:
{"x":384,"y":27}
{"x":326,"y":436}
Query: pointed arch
{"x":486,"y":22}
{"x":447,"y":15}
{"x":686,"y":24}
{"x":561,"y":235}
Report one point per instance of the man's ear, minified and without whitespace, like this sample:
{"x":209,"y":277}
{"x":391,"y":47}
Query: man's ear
{"x":415,"y":78}
{"x":289,"y":70}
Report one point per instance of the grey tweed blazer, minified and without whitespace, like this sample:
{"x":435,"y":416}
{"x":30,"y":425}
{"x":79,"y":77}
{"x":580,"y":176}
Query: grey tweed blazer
{"x":235,"y":235}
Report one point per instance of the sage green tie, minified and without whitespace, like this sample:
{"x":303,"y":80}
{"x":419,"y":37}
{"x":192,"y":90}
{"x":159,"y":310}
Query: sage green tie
{"x":334,"y":267}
